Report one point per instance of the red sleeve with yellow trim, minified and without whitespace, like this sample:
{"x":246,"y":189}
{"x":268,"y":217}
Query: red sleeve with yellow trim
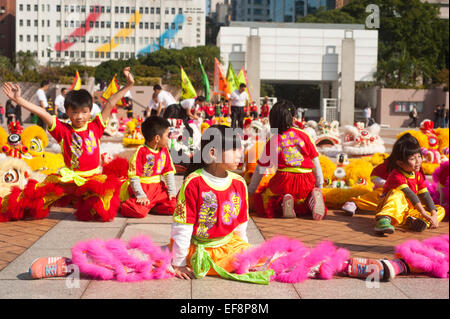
{"x":395,"y":180}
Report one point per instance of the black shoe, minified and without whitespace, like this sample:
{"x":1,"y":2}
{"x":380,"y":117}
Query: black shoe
{"x":417,"y":224}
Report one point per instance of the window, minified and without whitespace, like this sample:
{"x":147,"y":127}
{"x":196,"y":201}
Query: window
{"x":152,"y":26}
{"x":58,"y":8}
{"x":166,"y":11}
{"x":141,"y":10}
{"x":173,"y":10}
{"x":116,"y":25}
{"x":35,"y":38}
{"x":122,"y":9}
{"x":43,"y":38}
{"x":108,"y":9}
{"x":180,"y":10}
{"x":158,"y":25}
{"x":97,"y":24}
{"x":146,"y":25}
{"x":406,"y":107}
{"x":173,"y":26}
{"x":97,"y":9}
{"x":116,"y":9}
{"x":141,"y":25}
{"x":28,"y":23}
{"x":158,"y":10}
{"x":58,"y":23}
{"x":21,"y":22}
{"x":102,"y":24}
{"x":116,"y":55}
{"x":108,"y":24}
{"x":127,"y":10}
{"x":121,"y":25}
{"x":20,"y":7}
{"x":108,"y":55}
{"x":152,"y":10}
{"x":83,"y":9}
{"x":28,"y":38}
{"x":21,"y":38}
{"x":83,"y":54}
{"x":35,"y":23}
{"x":28,"y":7}
{"x":36,"y":8}
{"x":127,"y":25}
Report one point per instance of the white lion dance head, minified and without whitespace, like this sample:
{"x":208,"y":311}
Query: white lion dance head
{"x":360,"y":141}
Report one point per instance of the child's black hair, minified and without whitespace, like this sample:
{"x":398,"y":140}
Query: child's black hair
{"x":406,"y":146}
{"x":154,"y":125}
{"x":219,"y":137}
{"x":281,"y":116}
{"x":78,"y":99}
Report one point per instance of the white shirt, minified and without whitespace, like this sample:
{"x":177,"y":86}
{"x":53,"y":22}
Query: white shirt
{"x":367,"y":112}
{"x":95,"y":109}
{"x":188,"y":104}
{"x":40,"y":96}
{"x":59,"y":102}
{"x":152,"y":105}
{"x":239,"y":99}
{"x":166,"y":99}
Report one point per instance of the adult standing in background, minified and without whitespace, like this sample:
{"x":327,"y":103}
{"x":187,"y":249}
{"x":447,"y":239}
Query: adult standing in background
{"x":238,"y":101}
{"x":413,"y":115}
{"x":2,"y":113}
{"x":10,"y":112}
{"x":41,"y":100}
{"x":59,"y":104}
{"x":367,"y":115}
{"x":437,"y":112}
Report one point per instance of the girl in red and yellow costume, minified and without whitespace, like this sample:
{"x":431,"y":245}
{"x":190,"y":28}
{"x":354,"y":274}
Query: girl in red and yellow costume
{"x":210,"y":221}
{"x":295,"y":189}
{"x":405,"y":199}
{"x":80,"y":183}
{"x":369,"y":202}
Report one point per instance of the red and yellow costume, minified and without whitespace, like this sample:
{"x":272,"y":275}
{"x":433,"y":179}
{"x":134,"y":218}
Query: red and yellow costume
{"x":394,"y":202}
{"x":294,"y":151}
{"x":80,"y":183}
{"x":149,"y":166}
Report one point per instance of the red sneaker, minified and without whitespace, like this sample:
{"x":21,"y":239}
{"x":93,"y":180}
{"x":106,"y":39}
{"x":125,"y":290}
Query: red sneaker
{"x":316,"y":204}
{"x":363,"y":267}
{"x":49,"y":267}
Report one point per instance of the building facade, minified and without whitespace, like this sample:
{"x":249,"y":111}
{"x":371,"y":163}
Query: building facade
{"x":7,"y":27}
{"x":62,"y":32}
{"x":277,"y":10}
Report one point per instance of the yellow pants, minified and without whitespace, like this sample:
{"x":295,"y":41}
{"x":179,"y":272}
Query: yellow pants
{"x":396,"y":206}
{"x":368,"y":202}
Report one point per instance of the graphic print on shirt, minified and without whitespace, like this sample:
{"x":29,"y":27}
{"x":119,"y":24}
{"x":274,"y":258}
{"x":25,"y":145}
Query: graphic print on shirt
{"x":231,"y":209}
{"x":160,"y":163}
{"x":76,"y":147}
{"x":91,"y":143}
{"x":207,"y":216}
{"x":148,"y":166}
{"x":291,"y":149}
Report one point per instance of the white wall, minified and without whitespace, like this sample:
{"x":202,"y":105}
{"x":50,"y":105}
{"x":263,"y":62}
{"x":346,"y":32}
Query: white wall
{"x":303,"y":54}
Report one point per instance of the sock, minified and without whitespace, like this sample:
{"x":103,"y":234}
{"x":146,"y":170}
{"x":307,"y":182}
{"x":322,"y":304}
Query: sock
{"x":400,"y":266}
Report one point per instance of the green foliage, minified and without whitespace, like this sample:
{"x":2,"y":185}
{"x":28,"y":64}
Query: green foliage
{"x":413,"y":42}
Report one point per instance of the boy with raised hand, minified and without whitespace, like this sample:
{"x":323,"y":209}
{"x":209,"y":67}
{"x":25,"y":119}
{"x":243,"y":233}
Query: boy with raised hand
{"x":94,"y":196}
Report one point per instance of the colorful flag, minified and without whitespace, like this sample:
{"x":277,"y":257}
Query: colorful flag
{"x":242,"y":78}
{"x":232,"y":79}
{"x":187,"y":89}
{"x":205,"y":82}
{"x":76,"y":84}
{"x":221,"y":86}
{"x":112,"y":89}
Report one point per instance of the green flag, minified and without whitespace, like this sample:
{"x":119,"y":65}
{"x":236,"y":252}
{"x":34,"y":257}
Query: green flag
{"x":205,"y":81}
{"x":232,"y":79}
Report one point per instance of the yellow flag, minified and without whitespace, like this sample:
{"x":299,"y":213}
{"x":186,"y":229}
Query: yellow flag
{"x":187,"y":89}
{"x":112,"y":89}
{"x":242,"y":78}
{"x":76,"y":84}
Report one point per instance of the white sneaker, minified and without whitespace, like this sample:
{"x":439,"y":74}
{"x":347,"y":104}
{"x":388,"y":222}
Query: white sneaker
{"x":288,"y":206}
{"x":349,"y":208}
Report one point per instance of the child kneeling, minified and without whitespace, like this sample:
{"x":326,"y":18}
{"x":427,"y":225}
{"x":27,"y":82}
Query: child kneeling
{"x":145,"y":189}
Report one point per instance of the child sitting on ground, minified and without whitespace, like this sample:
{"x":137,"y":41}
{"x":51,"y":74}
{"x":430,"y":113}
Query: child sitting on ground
{"x":295,"y":189}
{"x":145,"y":188}
{"x":369,"y":202}
{"x":211,"y":217}
{"x":94,"y":196}
{"x":405,"y":199}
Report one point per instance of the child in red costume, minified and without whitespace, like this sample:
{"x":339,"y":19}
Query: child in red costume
{"x":295,"y":189}
{"x":369,"y":202}
{"x":145,"y":189}
{"x":405,"y":199}
{"x":210,"y":221}
{"x":94,"y":196}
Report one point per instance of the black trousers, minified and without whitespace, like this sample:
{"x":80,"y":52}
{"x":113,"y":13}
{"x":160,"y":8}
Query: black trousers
{"x":176,"y":111}
{"x":237,"y":117}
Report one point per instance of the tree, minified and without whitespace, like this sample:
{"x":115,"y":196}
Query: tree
{"x":25,"y":61}
{"x":413,"y":40}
